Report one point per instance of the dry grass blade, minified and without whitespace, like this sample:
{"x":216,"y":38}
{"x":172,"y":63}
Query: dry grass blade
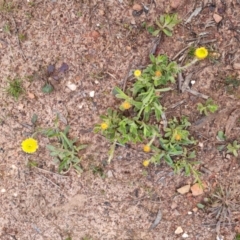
{"x":223,"y":202}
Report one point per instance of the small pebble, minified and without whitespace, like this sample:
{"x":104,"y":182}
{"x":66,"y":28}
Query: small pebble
{"x":189,"y":213}
{"x":71,"y":86}
{"x":137,"y":7}
{"x":109,"y":174}
{"x":3,"y":190}
{"x":185,"y":235}
{"x":195,"y":209}
{"x":175,"y":3}
{"x":91,"y":94}
{"x":217,"y":18}
{"x":179,"y":230}
{"x":236,"y":66}
{"x":200,"y":144}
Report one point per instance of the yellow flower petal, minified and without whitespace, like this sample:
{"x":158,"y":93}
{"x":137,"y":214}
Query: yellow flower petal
{"x":146,"y":163}
{"x":178,"y":137}
{"x":146,"y":148}
{"x":29,"y":145}
{"x":126,"y":105}
{"x":201,"y":53}
{"x":137,"y":73}
{"x":104,"y":126}
{"x":158,"y":74}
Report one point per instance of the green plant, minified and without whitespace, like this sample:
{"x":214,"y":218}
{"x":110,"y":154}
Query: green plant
{"x":166,"y":23}
{"x":231,"y":83}
{"x":186,"y":164}
{"x":136,"y":120}
{"x":47,"y":88}
{"x":6,"y":6}
{"x":123,"y":130}
{"x":7,"y":28}
{"x":98,"y":170}
{"x":209,"y":106}
{"x":233,"y":148}
{"x":22,"y":37}
{"x":237,"y":237}
{"x":66,"y":151}
{"x":15,"y":88}
{"x":87,"y":238}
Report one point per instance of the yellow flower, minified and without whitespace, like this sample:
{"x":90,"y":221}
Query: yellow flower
{"x":126,"y":105}
{"x":158,"y":74}
{"x":146,"y":163}
{"x":146,"y":148}
{"x":104,"y":126}
{"x":201,"y":53}
{"x":29,"y":145}
{"x":137,"y":73}
{"x":178,"y":137}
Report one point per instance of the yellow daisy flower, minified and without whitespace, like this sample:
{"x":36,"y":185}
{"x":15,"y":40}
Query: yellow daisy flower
{"x":146,"y":163}
{"x":104,"y":126}
{"x":201,"y":53}
{"x":126,"y":105}
{"x":146,"y":148}
{"x":178,"y":137}
{"x":29,"y":145}
{"x":137,"y":73}
{"x":158,"y":74}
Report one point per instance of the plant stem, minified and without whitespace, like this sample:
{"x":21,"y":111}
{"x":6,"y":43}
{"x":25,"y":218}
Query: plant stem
{"x":111,"y":151}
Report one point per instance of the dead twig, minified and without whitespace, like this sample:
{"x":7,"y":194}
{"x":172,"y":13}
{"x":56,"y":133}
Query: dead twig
{"x":157,"y":220}
{"x":46,"y":171}
{"x":185,"y":84}
{"x":180,"y":81}
{"x":196,"y":93}
{"x":181,"y":51}
{"x":155,"y":44}
{"x":128,"y":73}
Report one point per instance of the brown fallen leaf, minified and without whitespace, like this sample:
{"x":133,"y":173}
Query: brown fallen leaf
{"x":31,"y":95}
{"x":217,"y":18}
{"x":184,"y":189}
{"x":157,"y":220}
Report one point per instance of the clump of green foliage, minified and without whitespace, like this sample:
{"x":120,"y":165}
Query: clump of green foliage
{"x":65,"y":151}
{"x":15,"y":88}
{"x":6,"y":6}
{"x":231,"y":83}
{"x":165,"y":24}
{"x":209,"y":106}
{"x":7,"y":28}
{"x":233,"y":148}
{"x":141,"y":109}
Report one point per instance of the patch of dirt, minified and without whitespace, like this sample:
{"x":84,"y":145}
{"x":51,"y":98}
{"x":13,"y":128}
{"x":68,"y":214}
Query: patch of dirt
{"x":101,"y":42}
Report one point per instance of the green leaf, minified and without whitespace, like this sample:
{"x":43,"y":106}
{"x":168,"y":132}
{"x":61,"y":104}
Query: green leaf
{"x":34,"y":119}
{"x":168,"y":160}
{"x":155,"y":33}
{"x":200,"y":206}
{"x":221,"y":136}
{"x":47,"y":88}
{"x":167,"y":32}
